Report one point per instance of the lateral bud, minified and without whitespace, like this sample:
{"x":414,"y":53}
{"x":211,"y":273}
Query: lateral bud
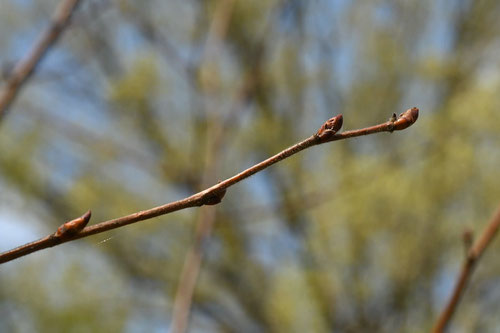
{"x":213,"y":198}
{"x":405,"y":119}
{"x":330,"y":127}
{"x":73,"y":227}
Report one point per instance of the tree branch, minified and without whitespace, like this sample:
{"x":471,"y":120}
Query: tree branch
{"x":25,"y":68}
{"x":473,"y":255}
{"x":213,"y":195}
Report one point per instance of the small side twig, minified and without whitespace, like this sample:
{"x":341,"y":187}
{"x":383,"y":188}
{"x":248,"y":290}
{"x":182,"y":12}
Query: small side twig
{"x":24,"y":68}
{"x":472,"y":257}
{"x":215,"y":193}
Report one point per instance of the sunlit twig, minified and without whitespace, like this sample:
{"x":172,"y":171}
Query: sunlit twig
{"x":214,"y":194}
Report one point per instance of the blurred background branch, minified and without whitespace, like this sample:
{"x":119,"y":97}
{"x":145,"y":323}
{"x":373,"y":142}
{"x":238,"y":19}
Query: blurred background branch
{"x":24,"y":68}
{"x":214,"y":141}
{"x":474,"y":253}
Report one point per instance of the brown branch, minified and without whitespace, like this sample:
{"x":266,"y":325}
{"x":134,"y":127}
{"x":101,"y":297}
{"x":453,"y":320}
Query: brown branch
{"x":211,"y":195}
{"x":25,"y":67}
{"x":473,"y":255}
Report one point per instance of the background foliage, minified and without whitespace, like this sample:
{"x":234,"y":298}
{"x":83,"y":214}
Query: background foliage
{"x":144,"y":102}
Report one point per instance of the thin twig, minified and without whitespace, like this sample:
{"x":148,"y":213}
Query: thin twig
{"x":25,"y":67}
{"x":473,"y":255}
{"x":214,"y":194}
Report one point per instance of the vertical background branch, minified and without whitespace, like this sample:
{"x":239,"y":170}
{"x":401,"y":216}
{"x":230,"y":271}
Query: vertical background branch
{"x":190,"y":271}
{"x":214,"y":141}
{"x":217,"y":132}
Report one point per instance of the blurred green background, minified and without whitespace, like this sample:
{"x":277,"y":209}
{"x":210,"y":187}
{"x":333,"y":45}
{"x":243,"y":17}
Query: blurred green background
{"x":145,"y":102}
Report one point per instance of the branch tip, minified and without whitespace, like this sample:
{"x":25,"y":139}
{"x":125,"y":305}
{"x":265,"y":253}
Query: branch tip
{"x":405,"y":119}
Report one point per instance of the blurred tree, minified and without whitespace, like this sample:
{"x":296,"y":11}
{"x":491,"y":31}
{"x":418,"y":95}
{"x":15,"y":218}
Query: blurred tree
{"x":129,"y":110}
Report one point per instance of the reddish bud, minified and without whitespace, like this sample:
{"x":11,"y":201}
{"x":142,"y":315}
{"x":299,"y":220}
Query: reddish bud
{"x":73,"y":227}
{"x":406,"y":119}
{"x":330,"y":127}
